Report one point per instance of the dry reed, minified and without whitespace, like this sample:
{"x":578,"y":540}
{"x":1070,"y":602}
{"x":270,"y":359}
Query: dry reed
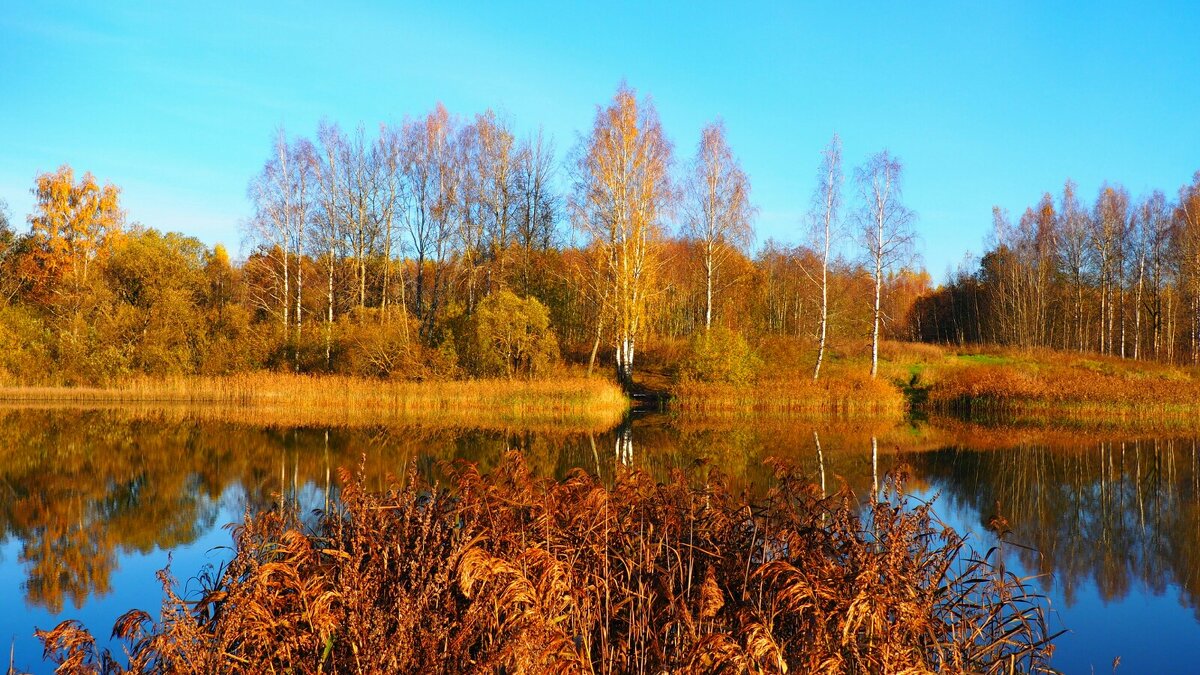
{"x":510,"y":573}
{"x":300,"y":399}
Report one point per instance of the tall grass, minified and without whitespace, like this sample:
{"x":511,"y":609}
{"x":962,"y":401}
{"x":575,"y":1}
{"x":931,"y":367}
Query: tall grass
{"x":1043,"y":385}
{"x":300,"y":399}
{"x":510,"y":573}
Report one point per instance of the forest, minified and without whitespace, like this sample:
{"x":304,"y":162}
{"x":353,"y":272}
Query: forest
{"x":1120,"y":276}
{"x":447,"y":247}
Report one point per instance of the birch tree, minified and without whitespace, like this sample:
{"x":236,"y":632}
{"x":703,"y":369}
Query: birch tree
{"x":1073,"y":251}
{"x":538,"y":205}
{"x":717,"y":209}
{"x":1106,"y":237}
{"x":886,"y":233}
{"x":622,"y":190}
{"x":1158,"y":235}
{"x":432,"y":179}
{"x":389,"y":204}
{"x":326,"y":223}
{"x":273,"y":225}
{"x":827,"y":202}
{"x":1187,"y":236}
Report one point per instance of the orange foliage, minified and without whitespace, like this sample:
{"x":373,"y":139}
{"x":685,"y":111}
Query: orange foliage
{"x":74,"y":223}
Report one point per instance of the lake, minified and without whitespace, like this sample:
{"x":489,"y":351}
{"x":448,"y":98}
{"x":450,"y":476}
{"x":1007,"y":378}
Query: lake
{"x":96,"y":501}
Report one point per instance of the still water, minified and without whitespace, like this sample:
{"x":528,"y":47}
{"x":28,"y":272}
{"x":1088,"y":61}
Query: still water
{"x":94,"y":502}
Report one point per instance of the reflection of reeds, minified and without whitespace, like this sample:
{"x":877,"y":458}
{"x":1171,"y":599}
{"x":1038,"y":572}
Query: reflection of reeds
{"x":274,"y":398}
{"x":511,"y":573}
{"x":846,"y":395}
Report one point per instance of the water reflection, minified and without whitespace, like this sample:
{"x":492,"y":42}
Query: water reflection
{"x":86,"y":490}
{"x":1118,"y":514}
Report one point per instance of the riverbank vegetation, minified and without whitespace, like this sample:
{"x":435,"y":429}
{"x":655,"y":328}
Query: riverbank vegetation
{"x":515,"y":573}
{"x":1049,"y":386}
{"x":289,"y":399}
{"x":972,"y":382}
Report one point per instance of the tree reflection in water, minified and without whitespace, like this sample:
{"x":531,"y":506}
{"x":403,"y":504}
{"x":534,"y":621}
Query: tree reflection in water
{"x":1113,"y":512}
{"x":84,"y":487}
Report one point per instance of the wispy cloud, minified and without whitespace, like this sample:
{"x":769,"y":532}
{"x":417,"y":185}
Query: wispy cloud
{"x":59,"y":32}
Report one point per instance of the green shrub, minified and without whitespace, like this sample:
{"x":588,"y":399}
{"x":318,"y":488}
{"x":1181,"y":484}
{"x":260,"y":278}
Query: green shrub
{"x":720,"y":355}
{"x":24,"y":348}
{"x":508,"y":336}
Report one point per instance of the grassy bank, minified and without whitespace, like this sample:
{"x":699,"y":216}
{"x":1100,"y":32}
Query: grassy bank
{"x":276,"y":398}
{"x":1005,"y":385}
{"x":1045,"y":386}
{"x":1034,"y":386}
{"x":783,"y":386}
{"x":508,"y":573}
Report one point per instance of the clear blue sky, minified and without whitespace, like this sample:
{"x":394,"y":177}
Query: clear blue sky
{"x":986,"y":103}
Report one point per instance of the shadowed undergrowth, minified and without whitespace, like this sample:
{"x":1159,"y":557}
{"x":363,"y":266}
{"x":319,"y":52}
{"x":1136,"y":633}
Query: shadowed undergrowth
{"x":506,"y":572}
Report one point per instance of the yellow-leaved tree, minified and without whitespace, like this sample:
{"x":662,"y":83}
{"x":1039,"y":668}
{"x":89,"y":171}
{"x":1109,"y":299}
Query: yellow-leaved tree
{"x":74,"y":223}
{"x":622,"y":190}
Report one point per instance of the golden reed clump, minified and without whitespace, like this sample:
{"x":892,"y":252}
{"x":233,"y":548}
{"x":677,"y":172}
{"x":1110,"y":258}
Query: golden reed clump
{"x":511,"y":573}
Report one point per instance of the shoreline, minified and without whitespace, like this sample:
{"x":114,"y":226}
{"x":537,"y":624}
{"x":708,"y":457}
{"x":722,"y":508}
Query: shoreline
{"x":995,"y":385}
{"x":298,"y":399}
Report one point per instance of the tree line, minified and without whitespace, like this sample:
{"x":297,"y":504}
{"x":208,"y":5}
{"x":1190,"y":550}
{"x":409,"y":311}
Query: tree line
{"x":445,"y":246}
{"x":1119,"y":276}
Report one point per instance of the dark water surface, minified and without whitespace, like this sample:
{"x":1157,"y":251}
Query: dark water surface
{"x":94,"y":502}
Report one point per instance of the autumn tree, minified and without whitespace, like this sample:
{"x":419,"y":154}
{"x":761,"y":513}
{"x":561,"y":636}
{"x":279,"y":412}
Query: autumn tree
{"x":622,"y":190}
{"x":886,"y":233}
{"x":73,"y":223}
{"x":538,"y":205}
{"x":359,"y":166}
{"x":432,"y":178}
{"x":6,"y":232}
{"x":282,"y":197}
{"x":326,"y":227}
{"x":1157,"y":232}
{"x":486,"y":194}
{"x":1187,"y":233}
{"x":717,"y":207}
{"x":10,"y":284}
{"x":1074,"y":226}
{"x":824,"y":218}
{"x":1149,"y":224}
{"x":389,"y":203}
{"x":157,"y":281}
{"x":1107,"y":238}
{"x":511,"y":336}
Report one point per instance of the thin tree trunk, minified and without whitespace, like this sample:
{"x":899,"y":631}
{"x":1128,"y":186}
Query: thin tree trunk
{"x":708,"y":274}
{"x":877,"y":309}
{"x":1137,"y":308}
{"x":329,"y":316}
{"x":820,"y":462}
{"x":595,"y":348}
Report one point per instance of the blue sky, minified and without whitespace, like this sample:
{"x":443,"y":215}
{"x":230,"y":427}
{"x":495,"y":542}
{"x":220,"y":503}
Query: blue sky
{"x":986,"y":103}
